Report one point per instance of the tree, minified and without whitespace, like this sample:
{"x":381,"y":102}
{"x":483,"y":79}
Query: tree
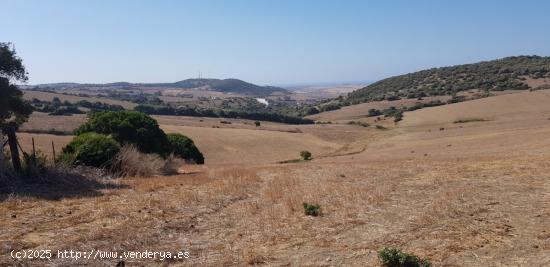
{"x":14,"y":111}
{"x":129,"y":127}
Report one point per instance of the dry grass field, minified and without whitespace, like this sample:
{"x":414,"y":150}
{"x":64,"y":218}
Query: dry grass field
{"x":238,"y":142}
{"x":231,"y":146}
{"x":460,"y":194}
{"x":43,"y":121}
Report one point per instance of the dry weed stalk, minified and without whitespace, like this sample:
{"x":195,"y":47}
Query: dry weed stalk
{"x":131,"y":163}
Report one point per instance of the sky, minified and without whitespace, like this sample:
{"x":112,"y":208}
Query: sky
{"x":279,"y":42}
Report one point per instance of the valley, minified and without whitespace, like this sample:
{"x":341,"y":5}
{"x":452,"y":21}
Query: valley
{"x":461,"y":194}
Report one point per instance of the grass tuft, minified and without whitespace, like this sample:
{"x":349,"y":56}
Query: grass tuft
{"x":393,"y":257}
{"x":312,"y":209}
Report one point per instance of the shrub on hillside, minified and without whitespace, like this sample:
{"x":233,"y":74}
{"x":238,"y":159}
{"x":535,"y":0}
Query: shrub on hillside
{"x":90,"y":149}
{"x":398,"y":117}
{"x":392,"y":257}
{"x":312,"y":210}
{"x":374,"y":112}
{"x":184,"y":147}
{"x":128,"y":127}
{"x":306,"y":155}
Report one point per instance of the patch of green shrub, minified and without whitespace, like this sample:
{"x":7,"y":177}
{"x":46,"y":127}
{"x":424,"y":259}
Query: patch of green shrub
{"x":392,"y":257}
{"x":398,"y":117}
{"x":184,"y":147}
{"x":128,"y":127}
{"x":306,"y":155}
{"x":34,"y":165}
{"x":312,"y":209}
{"x":257,"y":123}
{"x":374,"y":112}
{"x":91,"y":149}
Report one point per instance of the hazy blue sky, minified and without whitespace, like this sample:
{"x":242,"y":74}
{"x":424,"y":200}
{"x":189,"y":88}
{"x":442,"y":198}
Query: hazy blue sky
{"x":265,"y":42}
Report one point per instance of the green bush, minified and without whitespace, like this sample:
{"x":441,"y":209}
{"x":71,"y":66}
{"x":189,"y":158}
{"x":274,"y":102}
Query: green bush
{"x":257,"y":123}
{"x":398,"y":117}
{"x":392,"y":257}
{"x":185,"y":148}
{"x":306,"y":155}
{"x":128,"y":127}
{"x":312,"y":210}
{"x":34,"y":165}
{"x":90,"y":149}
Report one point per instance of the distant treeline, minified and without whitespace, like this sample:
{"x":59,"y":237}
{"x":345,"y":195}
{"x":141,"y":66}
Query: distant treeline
{"x":144,"y":99}
{"x":66,"y":108}
{"x":219,"y":113}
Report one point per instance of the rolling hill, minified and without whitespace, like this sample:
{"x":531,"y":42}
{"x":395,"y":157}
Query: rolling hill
{"x":235,"y":86}
{"x":510,"y":73}
{"x":229,"y":86}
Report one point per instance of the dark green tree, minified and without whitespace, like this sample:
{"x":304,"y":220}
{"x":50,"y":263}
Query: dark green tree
{"x":128,"y":127}
{"x":14,"y":111}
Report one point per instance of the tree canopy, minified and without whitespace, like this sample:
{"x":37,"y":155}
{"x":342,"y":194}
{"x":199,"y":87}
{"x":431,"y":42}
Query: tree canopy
{"x":130,"y":127}
{"x":13,"y":109}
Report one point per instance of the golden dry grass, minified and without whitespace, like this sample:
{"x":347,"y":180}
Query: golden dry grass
{"x":475,"y":213}
{"x":45,"y":122}
{"x":43,"y":142}
{"x":129,"y":162}
{"x":519,"y":106}
{"x":231,"y":146}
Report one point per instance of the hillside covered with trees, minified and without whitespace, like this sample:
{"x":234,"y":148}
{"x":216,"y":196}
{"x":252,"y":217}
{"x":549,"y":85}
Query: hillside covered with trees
{"x":235,"y":86}
{"x":508,"y":73}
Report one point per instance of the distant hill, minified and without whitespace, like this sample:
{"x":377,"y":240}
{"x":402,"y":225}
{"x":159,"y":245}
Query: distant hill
{"x":226,"y":85}
{"x":497,"y":75}
{"x":229,"y":86}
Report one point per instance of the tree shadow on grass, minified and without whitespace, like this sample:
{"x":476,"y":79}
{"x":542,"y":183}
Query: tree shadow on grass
{"x":57,"y":184}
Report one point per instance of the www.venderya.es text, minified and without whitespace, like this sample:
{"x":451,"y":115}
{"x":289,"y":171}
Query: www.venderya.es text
{"x":93,"y":254}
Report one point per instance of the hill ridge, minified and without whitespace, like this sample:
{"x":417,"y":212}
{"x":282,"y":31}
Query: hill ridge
{"x":493,"y":75}
{"x":229,"y":85}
